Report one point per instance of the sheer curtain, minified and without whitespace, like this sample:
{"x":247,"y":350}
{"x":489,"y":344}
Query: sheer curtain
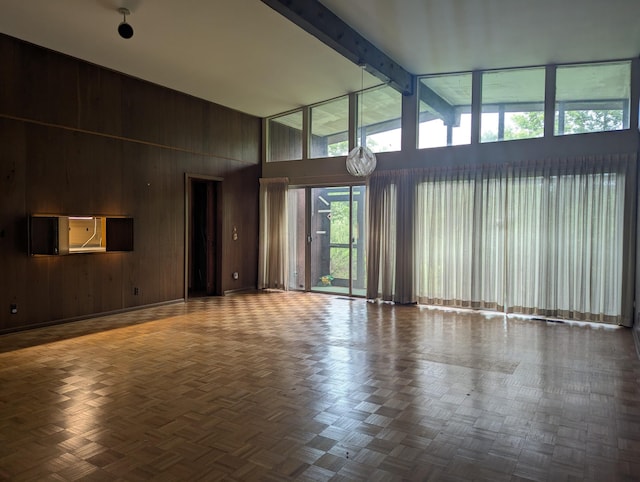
{"x":446,"y":229}
{"x":273,"y":246}
{"x":490,"y":237}
{"x":565,"y":239}
{"x":548,"y":238}
{"x":460,"y":238}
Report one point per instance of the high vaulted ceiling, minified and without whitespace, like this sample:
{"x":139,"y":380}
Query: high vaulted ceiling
{"x":246,"y":56}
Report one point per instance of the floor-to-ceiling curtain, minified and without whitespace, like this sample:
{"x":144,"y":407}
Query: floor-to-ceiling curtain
{"x":565,"y":239}
{"x":488,"y":267}
{"x":550,"y":238}
{"x":390,"y":253}
{"x":460,"y":237}
{"x":382,"y":206}
{"x":273,"y":256}
{"x":445,"y":233}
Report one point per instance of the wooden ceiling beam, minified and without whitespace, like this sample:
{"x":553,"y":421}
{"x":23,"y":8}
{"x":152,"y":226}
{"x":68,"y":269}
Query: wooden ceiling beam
{"x":322,"y":23}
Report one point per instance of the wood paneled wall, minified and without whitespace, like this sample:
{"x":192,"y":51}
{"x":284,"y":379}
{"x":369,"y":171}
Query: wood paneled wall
{"x":76,"y":138}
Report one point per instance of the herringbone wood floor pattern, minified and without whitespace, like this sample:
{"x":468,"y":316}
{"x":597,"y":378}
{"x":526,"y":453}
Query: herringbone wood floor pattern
{"x":301,"y":386}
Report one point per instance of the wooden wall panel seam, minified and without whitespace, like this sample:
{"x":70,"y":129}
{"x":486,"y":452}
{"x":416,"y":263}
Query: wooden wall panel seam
{"x":126,"y":139}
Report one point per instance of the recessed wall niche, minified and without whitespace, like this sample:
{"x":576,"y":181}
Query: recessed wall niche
{"x":62,"y":235}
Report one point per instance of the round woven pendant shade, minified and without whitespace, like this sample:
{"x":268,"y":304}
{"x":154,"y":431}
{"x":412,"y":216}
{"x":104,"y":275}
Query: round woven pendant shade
{"x":361,"y":161}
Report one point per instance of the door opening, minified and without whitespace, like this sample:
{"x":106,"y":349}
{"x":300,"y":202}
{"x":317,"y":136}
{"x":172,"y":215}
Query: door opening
{"x":327,"y":239}
{"x":203,"y":262}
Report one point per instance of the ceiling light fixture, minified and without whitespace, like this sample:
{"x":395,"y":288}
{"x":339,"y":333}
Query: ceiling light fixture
{"x":124,"y":29}
{"x":361,"y":161}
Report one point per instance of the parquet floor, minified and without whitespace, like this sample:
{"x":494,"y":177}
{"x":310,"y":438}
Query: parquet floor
{"x":302,"y":386}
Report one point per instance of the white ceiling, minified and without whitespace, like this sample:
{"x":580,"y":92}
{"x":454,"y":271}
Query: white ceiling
{"x":244,"y":55}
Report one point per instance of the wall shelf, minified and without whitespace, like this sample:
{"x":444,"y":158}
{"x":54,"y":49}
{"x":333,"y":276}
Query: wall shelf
{"x":62,"y":235}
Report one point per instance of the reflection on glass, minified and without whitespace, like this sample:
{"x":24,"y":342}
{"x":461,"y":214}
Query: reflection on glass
{"x":285,"y":137}
{"x":338,"y":240}
{"x":592,"y":98}
{"x":444,"y":110}
{"x":358,"y":248}
{"x":330,"y":129}
{"x":379,"y":113}
{"x":512,"y":104}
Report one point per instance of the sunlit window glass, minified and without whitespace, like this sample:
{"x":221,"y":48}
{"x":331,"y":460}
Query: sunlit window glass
{"x":592,"y":98}
{"x":445,"y":111}
{"x":330,"y":129}
{"x":379,"y":119}
{"x":512,"y":104}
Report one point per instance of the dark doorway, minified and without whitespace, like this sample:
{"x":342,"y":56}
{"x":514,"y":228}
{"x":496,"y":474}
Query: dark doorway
{"x":203,"y":239}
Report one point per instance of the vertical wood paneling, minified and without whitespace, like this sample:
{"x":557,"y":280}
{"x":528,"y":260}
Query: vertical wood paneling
{"x":11,"y":78}
{"x":47,"y":86}
{"x":46,"y":185}
{"x":97,"y":142}
{"x":240,"y":209}
{"x":144,"y":111}
{"x":99,"y":100}
{"x":38,"y":282}
{"x":251,"y":138}
{"x":13,"y":258}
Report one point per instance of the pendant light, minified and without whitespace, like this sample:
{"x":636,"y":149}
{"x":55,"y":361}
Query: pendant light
{"x":361,"y":161}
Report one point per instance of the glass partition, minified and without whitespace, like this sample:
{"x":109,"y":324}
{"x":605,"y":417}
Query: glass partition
{"x":444,"y":110}
{"x":285,"y":137}
{"x":379,"y":113}
{"x":512,"y":104}
{"x":330,"y":129}
{"x":592,"y":97}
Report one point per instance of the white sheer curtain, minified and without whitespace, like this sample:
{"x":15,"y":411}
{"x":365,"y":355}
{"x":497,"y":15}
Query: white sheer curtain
{"x":565,"y":240}
{"x":445,"y":232}
{"x":460,"y":238}
{"x":488,"y":267}
{"x":273,"y":253}
{"x":548,"y":238}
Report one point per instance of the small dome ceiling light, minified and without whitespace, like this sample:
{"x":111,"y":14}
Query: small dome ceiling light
{"x":124,"y":29}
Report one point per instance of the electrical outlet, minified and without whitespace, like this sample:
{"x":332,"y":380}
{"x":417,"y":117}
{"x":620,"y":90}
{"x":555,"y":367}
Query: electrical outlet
{"x":235,"y":275}
{"x":13,"y":309}
{"x":136,"y":291}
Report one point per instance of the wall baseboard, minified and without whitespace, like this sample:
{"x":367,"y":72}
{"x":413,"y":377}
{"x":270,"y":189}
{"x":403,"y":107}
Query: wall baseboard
{"x":86,"y":317}
{"x":246,"y":289}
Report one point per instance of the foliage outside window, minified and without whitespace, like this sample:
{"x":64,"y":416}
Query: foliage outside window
{"x":444,"y":110}
{"x":339,"y":234}
{"x":592,"y":98}
{"x":512,"y":104}
{"x":330,"y":129}
{"x":380,"y":127}
{"x":285,"y":137}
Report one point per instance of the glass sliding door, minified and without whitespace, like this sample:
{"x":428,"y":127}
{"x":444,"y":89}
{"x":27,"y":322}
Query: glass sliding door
{"x":337,"y":240}
{"x":358,"y":242}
